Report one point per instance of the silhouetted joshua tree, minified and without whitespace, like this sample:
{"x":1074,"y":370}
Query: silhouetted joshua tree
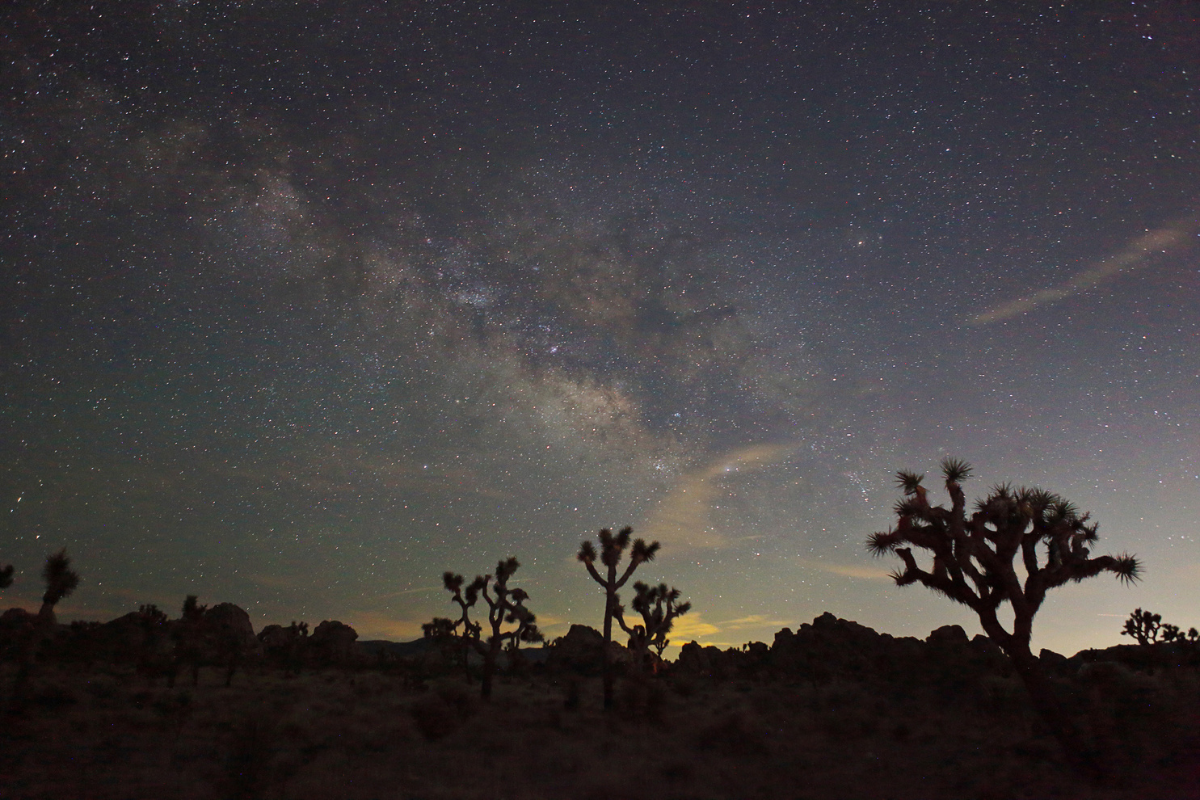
{"x":1143,"y":626}
{"x":189,"y":634}
{"x":974,"y":562}
{"x":658,"y":607}
{"x":454,"y":646}
{"x":508,"y":607}
{"x":61,"y":580}
{"x":154,"y":627}
{"x":1146,"y":628}
{"x":611,"y":549}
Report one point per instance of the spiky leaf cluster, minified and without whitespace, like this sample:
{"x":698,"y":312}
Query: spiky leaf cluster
{"x":658,"y":606}
{"x":974,"y":555}
{"x":613,"y":546}
{"x":440,"y":629}
{"x":192,"y":611}
{"x":61,"y":580}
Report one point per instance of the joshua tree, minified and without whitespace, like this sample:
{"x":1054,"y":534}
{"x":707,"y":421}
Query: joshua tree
{"x":1143,"y":626}
{"x":443,"y":632}
{"x":611,"y":549}
{"x":659,"y":607}
{"x":189,"y":634}
{"x":154,"y":624}
{"x":508,"y":606}
{"x":1146,"y":627}
{"x":974,"y":562}
{"x":61,"y":580}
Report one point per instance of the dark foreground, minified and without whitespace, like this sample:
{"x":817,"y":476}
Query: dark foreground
{"x":109,"y":733}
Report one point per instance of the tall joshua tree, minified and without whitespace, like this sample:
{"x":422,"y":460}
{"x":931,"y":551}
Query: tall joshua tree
{"x":974,"y":562}
{"x":507,"y":607}
{"x":611,"y":549}
{"x":658,"y":606}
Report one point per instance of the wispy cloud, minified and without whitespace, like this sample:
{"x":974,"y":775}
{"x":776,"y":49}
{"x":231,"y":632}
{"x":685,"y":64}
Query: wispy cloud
{"x":418,"y":590}
{"x":691,"y":627}
{"x":1134,"y":255}
{"x":846,"y":570}
{"x":375,"y":625}
{"x":683,"y":519}
{"x":752,"y":621}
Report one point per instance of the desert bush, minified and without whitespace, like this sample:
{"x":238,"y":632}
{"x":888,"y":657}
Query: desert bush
{"x":732,"y":733}
{"x":1000,"y":696}
{"x":847,"y":710}
{"x":103,"y":687}
{"x":573,"y":696}
{"x":434,"y":717}
{"x":52,"y":696}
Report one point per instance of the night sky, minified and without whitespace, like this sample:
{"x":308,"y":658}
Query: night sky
{"x":304,"y":303}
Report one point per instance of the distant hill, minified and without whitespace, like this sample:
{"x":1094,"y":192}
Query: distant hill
{"x":395,"y":649}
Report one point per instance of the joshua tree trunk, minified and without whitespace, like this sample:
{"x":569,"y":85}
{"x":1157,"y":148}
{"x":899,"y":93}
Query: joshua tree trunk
{"x":1045,"y":702}
{"x":489,"y":666}
{"x":607,"y":673}
{"x":1041,"y":693}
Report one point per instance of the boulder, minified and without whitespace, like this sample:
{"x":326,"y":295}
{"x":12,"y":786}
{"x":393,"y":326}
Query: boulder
{"x":581,"y":650}
{"x":332,"y":644}
{"x":232,"y":625}
{"x":948,"y":634}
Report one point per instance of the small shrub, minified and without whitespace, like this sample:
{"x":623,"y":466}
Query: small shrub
{"x":734,"y":734}
{"x":461,"y":700}
{"x":574,"y":695}
{"x":103,"y":687}
{"x":434,"y":718}
{"x":53,"y":697}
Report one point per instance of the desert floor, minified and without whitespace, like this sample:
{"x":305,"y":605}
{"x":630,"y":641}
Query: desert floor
{"x":108,"y":733}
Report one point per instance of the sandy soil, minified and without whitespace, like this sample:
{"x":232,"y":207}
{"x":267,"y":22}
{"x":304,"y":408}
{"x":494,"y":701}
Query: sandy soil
{"x":108,"y":733}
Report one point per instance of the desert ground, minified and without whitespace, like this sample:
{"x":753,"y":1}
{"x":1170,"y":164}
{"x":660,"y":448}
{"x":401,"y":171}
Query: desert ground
{"x":397,"y":731}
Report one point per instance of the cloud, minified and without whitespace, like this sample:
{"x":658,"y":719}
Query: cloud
{"x":552,"y":626}
{"x":375,"y":625}
{"x":1134,"y":255}
{"x":692,"y":627}
{"x":752,"y":621}
{"x":418,"y":590}
{"x":846,"y":570}
{"x":682,"y":519}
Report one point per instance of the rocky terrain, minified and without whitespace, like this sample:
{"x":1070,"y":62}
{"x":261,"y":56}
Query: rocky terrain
{"x":831,"y":710}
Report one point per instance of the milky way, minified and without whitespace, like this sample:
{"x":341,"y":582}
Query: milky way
{"x":306,"y":303}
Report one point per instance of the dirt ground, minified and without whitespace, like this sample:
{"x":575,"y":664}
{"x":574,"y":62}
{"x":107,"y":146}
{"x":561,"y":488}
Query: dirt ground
{"x":108,"y":733}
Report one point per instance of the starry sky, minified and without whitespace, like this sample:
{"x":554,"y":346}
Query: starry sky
{"x":307,"y":302}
